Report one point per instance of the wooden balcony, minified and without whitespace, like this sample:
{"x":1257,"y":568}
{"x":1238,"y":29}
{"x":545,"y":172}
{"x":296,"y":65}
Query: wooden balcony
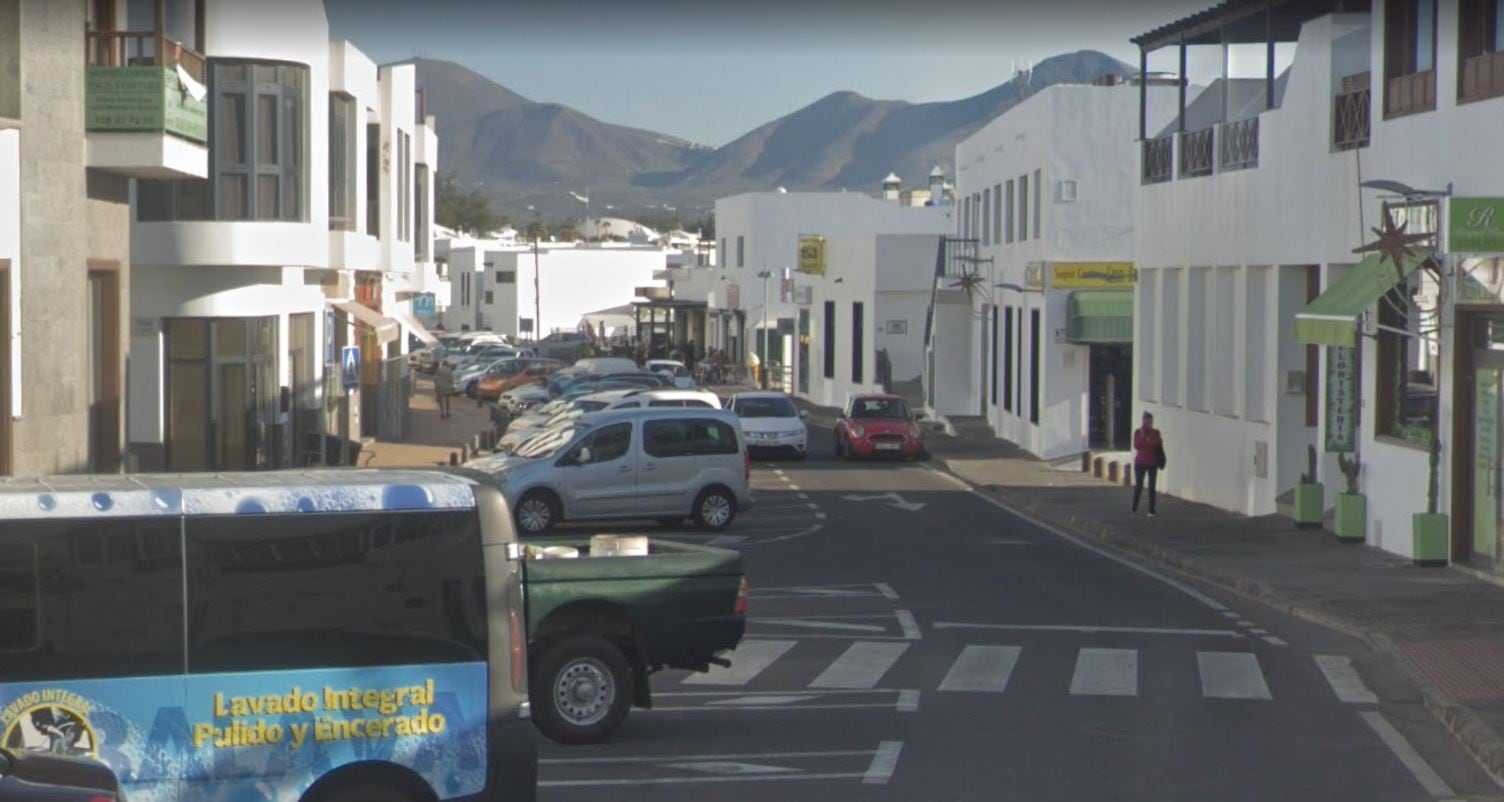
{"x":1351,"y":112}
{"x":145,"y":111}
{"x":1410,"y":94}
{"x":1482,"y":77}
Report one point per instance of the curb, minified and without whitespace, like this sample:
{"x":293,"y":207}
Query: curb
{"x":1481,"y":741}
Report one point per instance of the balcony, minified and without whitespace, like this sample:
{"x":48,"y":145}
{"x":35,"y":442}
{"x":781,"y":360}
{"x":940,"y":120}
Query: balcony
{"x":1196,"y":151}
{"x":1351,"y":113}
{"x":1410,"y":94}
{"x":1159,"y":159}
{"x":1482,"y":77}
{"x":146,"y":110}
{"x":1238,"y":144}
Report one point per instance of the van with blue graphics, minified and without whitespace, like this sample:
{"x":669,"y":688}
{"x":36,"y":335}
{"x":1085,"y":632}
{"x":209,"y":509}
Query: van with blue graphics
{"x":322,"y":636}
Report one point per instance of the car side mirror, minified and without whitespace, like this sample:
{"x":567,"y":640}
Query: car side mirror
{"x":803,"y":414}
{"x":918,"y":416}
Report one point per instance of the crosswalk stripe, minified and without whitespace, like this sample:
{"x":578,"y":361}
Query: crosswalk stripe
{"x":1344,"y":679}
{"x":1231,"y":675}
{"x":1106,"y":672}
{"x":749,"y":660}
{"x":861,"y":665}
{"x":982,"y":668}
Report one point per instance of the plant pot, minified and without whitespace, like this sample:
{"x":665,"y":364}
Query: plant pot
{"x":1432,"y":545}
{"x":1352,"y":517}
{"x":1309,"y":510}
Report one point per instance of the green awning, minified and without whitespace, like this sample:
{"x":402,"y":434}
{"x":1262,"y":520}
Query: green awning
{"x":1332,"y":319}
{"x":1099,"y":316}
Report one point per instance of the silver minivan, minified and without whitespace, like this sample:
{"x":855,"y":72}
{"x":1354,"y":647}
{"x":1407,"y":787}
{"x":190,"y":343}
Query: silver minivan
{"x":664,"y":464}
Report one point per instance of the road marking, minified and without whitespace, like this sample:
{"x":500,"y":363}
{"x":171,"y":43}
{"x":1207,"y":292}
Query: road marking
{"x":894,"y":500}
{"x":908,"y":702}
{"x":1231,"y":675}
{"x":1229,"y":614}
{"x":801,"y":622}
{"x":1105,"y":672}
{"x":819,"y":516}
{"x":749,"y":660}
{"x":741,"y":694}
{"x":982,"y":668}
{"x":907,"y":623}
{"x":1411,"y":759}
{"x":786,"y":699}
{"x":793,"y":486}
{"x":571,"y":761}
{"x":883,"y":763}
{"x":803,"y":495}
{"x":682,"y":780}
{"x":1344,"y":679}
{"x":812,"y":505}
{"x":1273,"y":641}
{"x":725,"y":540}
{"x":1066,"y":536}
{"x":1258,"y":630}
{"x":729,"y":767}
{"x":1222,"y":633}
{"x":861,"y":665}
{"x":887,"y":590}
{"x":752,"y":708}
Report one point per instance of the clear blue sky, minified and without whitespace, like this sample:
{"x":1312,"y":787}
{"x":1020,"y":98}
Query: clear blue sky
{"x":709,"y":71}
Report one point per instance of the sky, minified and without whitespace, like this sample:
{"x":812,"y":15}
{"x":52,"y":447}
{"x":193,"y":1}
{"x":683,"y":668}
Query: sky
{"x":710,"y":71}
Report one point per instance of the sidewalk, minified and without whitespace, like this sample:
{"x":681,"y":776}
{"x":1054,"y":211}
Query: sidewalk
{"x":430,"y":440}
{"x":1444,"y":627}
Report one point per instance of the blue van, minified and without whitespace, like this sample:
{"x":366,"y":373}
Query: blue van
{"x":324,"y":636}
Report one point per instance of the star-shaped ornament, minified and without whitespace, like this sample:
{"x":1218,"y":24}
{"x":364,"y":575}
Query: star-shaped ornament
{"x":1394,"y":244}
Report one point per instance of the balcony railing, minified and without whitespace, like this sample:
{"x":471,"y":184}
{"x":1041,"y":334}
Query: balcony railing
{"x":133,"y":85}
{"x":1410,"y":94}
{"x":1482,"y":77}
{"x":1159,"y":159}
{"x":1351,"y":113}
{"x":143,"y":48}
{"x":1238,"y":144}
{"x":1196,"y":152}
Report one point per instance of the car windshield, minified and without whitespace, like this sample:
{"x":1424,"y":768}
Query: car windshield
{"x":891,"y":408}
{"x":765,"y":408}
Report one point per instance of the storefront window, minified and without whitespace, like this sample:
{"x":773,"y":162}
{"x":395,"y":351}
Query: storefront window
{"x":1407,"y":358}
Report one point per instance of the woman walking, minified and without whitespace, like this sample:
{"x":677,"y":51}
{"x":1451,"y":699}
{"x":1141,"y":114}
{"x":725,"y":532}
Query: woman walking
{"x":1148,"y":459}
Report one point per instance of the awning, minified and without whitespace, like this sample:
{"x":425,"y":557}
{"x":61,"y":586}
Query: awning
{"x":417,"y":329}
{"x":1332,"y":319}
{"x":1099,"y":316}
{"x":386,"y":329}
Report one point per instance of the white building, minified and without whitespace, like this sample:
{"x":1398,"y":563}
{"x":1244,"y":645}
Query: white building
{"x":864,"y":298}
{"x":1040,"y":339}
{"x":502,"y":290}
{"x":250,"y":282}
{"x":1247,"y":219}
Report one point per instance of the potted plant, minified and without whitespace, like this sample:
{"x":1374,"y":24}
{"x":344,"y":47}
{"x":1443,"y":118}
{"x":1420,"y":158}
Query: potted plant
{"x":1352,"y":507}
{"x":1429,"y":528}
{"x":1309,"y":505}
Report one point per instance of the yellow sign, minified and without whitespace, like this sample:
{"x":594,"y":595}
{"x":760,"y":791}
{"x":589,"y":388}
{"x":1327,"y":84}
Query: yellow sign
{"x":812,"y":254}
{"x":1092,"y":275}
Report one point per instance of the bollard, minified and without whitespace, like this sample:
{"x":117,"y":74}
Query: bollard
{"x":465,"y":453}
{"x":454,"y":459}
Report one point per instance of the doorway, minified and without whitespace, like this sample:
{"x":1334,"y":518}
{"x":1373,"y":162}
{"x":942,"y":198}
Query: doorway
{"x":103,"y":333}
{"x":1109,"y":407}
{"x":1484,"y":444}
{"x":222,"y":395}
{"x":803,"y":367}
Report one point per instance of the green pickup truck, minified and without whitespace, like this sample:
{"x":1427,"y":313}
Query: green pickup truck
{"x":599,"y":626}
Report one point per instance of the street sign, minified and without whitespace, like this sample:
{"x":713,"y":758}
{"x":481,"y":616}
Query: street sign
{"x":1341,"y":399}
{"x":812,"y":254}
{"x":349,"y":363}
{"x":424,"y":305}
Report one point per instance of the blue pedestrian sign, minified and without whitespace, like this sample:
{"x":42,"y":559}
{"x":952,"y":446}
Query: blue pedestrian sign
{"x":350,"y":367}
{"x":423,"y":305}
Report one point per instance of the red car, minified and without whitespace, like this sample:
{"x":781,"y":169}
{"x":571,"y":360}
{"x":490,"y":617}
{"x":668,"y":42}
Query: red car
{"x":873,"y":425}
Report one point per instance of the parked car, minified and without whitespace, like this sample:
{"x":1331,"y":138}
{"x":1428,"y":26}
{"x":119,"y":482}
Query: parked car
{"x":607,"y":364}
{"x":625,"y":398}
{"x":514,"y":373}
{"x":474,"y":350}
{"x":664,"y":464}
{"x":674,"y":369}
{"x":566,"y":346}
{"x":770,"y":422}
{"x":518,"y":399}
{"x":467,"y":375}
{"x":557,"y":384}
{"x":879,"y":425}
{"x":27,"y":776}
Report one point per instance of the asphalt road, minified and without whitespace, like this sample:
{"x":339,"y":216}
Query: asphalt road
{"x":910,"y":640}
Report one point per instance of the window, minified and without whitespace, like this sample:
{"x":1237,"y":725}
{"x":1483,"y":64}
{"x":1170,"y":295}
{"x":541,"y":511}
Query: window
{"x":607,"y":445}
{"x":986,"y":218}
{"x":1023,"y":208}
{"x":1034,"y":366}
{"x":1255,"y":355}
{"x":421,"y":246}
{"x":1169,"y":338}
{"x":464,"y":289}
{"x":1406,"y":369}
{"x":507,"y":277}
{"x":278,"y":592}
{"x":373,"y":179}
{"x":1196,"y":372}
{"x":741,"y":251}
{"x":997,"y":214}
{"x":1069,"y":190}
{"x":830,"y":339}
{"x":707,"y":437}
{"x":258,"y":136}
{"x":678,"y":437}
{"x":342,"y":164}
{"x":489,"y":298}
{"x":725,"y":254}
{"x":127,"y":573}
{"x":1480,"y":45}
{"x":1409,"y":56}
{"x":1008,"y":359}
{"x":1038,"y":182}
{"x":1018,"y":363}
{"x":666,"y":403}
{"x":993,"y":361}
{"x":1008,"y":195}
{"x":404,"y":186}
{"x":856,"y":343}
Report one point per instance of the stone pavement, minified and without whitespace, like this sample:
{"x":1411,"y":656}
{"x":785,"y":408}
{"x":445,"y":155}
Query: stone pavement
{"x":1445,"y":627}
{"x":430,"y":440}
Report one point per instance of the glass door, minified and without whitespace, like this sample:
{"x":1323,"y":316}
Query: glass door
{"x":1486,"y":462}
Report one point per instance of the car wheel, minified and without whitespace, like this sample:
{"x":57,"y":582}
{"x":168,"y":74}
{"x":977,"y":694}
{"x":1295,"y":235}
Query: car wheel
{"x":715,"y":508}
{"x":581,"y":690}
{"x":838,"y":446}
{"x":536,"y":513}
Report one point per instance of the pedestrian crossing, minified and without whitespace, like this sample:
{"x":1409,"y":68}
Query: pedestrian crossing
{"x":793,"y":665}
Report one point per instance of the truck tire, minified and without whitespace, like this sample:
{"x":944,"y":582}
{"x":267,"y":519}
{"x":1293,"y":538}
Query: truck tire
{"x":715,"y":508}
{"x":537,"y":512}
{"x":581,"y":690}
{"x":365,"y":792}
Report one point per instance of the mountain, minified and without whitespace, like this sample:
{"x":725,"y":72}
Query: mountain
{"x":525,"y":152}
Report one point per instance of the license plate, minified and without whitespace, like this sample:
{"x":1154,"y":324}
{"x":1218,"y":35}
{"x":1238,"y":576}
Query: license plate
{"x":887,"y":446}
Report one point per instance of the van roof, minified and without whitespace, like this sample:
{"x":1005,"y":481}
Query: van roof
{"x":606,"y":416}
{"x":250,"y":493}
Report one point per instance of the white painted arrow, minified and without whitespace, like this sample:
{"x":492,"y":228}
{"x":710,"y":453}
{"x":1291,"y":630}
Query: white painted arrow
{"x":893,"y":499}
{"x":730,"y":767}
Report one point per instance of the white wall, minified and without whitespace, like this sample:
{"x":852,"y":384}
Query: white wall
{"x":398,"y":116}
{"x":355,"y":74}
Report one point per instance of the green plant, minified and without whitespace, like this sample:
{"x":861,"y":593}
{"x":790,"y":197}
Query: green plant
{"x":1351,"y":467}
{"x":1309,"y":477}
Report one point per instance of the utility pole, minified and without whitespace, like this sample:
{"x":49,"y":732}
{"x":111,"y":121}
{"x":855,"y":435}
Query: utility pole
{"x":537,"y":295}
{"x":763,"y":362}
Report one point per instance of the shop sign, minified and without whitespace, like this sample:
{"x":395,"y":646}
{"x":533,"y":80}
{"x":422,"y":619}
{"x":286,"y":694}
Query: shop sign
{"x":1092,"y":275}
{"x":812,"y":254}
{"x":1475,"y":225}
{"x":423,"y":305}
{"x":1034,"y":275}
{"x":1341,"y":399}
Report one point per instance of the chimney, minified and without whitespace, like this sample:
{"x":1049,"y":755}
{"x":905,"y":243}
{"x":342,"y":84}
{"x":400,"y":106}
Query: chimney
{"x":890,"y":187}
{"x":937,"y":184}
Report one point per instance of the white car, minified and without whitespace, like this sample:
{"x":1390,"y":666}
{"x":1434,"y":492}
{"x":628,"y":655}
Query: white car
{"x":606,"y":364}
{"x":771,"y":423}
{"x":674,"y":369}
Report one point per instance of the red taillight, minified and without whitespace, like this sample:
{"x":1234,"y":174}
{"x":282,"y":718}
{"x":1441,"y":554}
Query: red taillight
{"x":519,"y":652}
{"x":741,"y":598}
{"x":747,"y":461}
